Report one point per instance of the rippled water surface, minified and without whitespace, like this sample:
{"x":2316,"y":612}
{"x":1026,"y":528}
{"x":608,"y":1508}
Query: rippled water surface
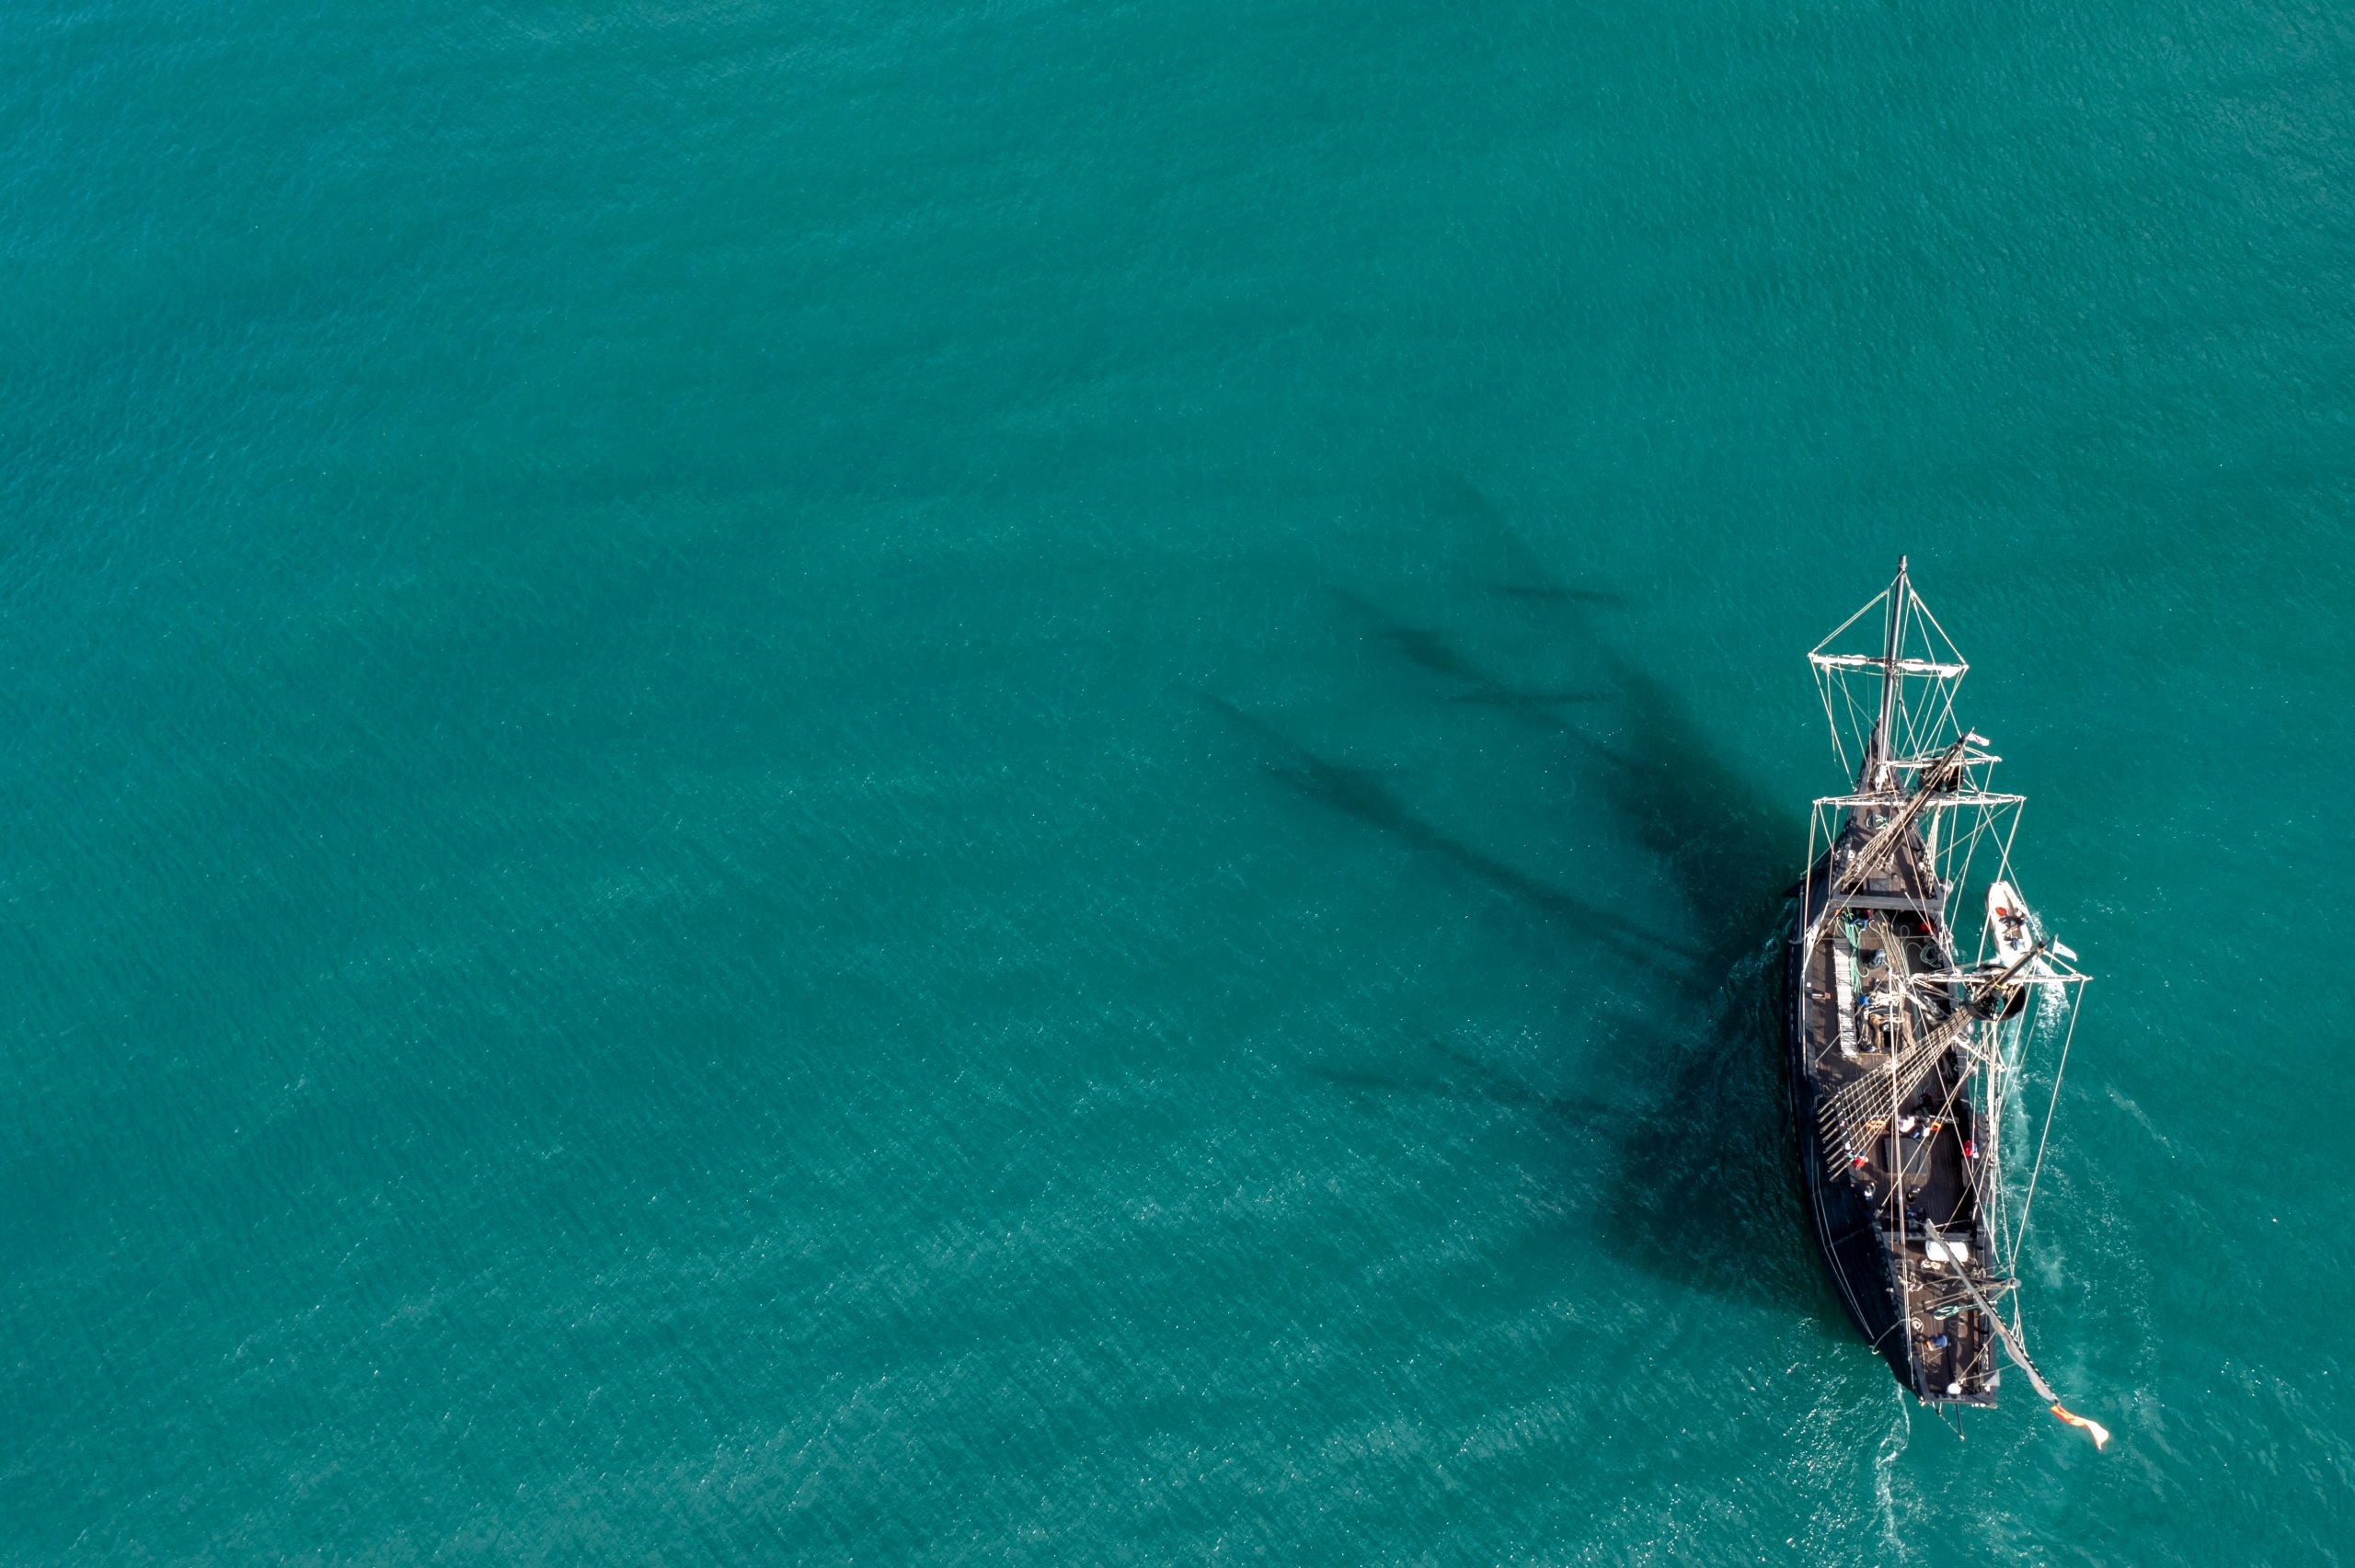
{"x":1007,"y":783}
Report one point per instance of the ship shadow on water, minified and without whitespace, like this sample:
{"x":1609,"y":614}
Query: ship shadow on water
{"x":1700,"y":1186}
{"x":1367,"y":795}
{"x":1706,"y":1192}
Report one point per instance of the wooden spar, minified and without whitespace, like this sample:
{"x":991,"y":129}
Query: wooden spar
{"x":1985,"y":993}
{"x":1904,"y":666}
{"x":1976,"y":798}
{"x":1936,"y":779}
{"x":2094,"y":1429}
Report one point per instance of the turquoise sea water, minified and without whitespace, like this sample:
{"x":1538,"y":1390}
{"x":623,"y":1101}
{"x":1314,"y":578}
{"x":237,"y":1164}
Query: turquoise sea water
{"x":1006,"y":784}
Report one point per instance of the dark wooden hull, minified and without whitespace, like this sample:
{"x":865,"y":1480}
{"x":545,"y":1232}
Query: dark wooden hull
{"x":1845,"y":1236}
{"x":1913,"y":1311}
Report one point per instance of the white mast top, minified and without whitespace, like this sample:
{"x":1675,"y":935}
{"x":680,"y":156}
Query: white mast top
{"x":1876,"y":769}
{"x":1881,"y":735}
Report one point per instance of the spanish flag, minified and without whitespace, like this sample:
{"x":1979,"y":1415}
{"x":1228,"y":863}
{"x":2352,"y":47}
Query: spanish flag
{"x":2094,"y":1429}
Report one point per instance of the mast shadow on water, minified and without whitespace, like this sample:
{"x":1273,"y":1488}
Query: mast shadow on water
{"x":1366,"y":795}
{"x":1698,"y":1190}
{"x":1704,"y":1194}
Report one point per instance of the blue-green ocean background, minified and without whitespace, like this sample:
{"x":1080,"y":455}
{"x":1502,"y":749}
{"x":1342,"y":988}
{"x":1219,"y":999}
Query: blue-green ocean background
{"x":921,"y":783}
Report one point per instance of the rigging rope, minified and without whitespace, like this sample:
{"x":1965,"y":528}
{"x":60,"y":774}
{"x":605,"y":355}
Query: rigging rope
{"x":2049,"y":1106}
{"x":1941,"y":777}
{"x":2010,"y":1336}
{"x":1850,"y":1108}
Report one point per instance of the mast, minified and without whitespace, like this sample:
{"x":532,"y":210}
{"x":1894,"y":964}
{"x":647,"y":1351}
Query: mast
{"x":1883,"y":742}
{"x":1944,"y":776}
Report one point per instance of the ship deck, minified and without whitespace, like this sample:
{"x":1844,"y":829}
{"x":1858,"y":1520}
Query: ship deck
{"x":1906,"y":1185}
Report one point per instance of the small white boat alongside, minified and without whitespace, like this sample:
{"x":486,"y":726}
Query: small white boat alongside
{"x":2008,"y":923}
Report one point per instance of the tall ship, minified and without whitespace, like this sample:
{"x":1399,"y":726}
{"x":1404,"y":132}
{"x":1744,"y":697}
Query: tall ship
{"x":1921,"y":1005}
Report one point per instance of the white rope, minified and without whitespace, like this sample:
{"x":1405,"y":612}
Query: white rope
{"x":2054,"y":1104}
